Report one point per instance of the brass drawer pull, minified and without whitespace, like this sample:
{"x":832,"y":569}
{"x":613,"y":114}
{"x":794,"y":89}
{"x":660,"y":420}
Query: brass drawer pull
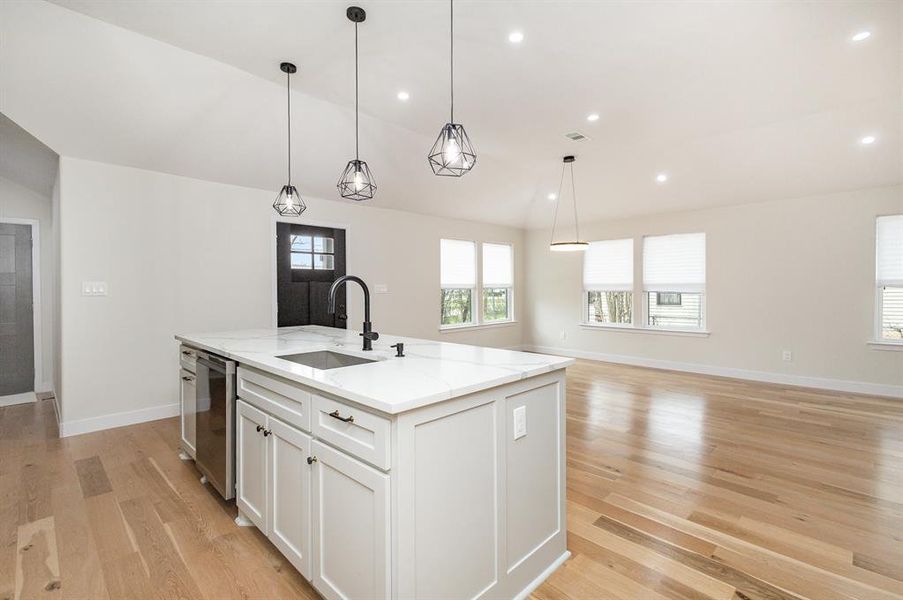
{"x":335,"y":415}
{"x":187,"y":378}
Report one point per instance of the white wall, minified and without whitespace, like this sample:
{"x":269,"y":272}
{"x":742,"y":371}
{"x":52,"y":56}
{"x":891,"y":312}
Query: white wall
{"x":184,"y":255}
{"x":790,"y":274}
{"x":20,"y":202}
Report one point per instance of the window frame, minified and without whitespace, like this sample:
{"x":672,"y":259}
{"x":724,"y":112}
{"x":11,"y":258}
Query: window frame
{"x":312,"y":253}
{"x":584,"y":318}
{"x":878,"y":328}
{"x":482,"y":286}
{"x":640,"y":295}
{"x":474,"y":289}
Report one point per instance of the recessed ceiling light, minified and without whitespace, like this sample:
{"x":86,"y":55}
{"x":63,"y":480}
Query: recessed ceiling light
{"x":516,"y":37}
{"x":869,"y":139}
{"x":661,"y":177}
{"x":862,"y":35}
{"x":592,"y":117}
{"x":404,"y":96}
{"x":552,"y":196}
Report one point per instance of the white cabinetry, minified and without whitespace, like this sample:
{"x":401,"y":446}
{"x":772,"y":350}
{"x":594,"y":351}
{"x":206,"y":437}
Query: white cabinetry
{"x":188,"y":411}
{"x":442,"y":501}
{"x":350,"y":526}
{"x":273,"y":489}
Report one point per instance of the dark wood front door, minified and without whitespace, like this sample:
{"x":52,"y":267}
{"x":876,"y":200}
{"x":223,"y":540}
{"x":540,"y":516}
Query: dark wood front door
{"x":16,"y":316}
{"x":308,"y":260}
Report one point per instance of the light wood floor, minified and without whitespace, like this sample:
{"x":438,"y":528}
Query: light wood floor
{"x":679,"y":486}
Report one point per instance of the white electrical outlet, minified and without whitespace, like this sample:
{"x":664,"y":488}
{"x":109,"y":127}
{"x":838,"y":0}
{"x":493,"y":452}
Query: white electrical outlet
{"x":787,"y":355}
{"x":520,"y":422}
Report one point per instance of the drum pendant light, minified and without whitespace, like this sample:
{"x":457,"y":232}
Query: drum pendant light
{"x":288,"y":202}
{"x":356,"y":182}
{"x":452,"y":155}
{"x":573,"y":244}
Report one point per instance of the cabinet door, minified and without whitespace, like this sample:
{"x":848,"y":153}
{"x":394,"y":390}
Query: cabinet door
{"x":188,"y":410}
{"x":252,"y":467}
{"x":350,"y":522}
{"x":289,"y":493}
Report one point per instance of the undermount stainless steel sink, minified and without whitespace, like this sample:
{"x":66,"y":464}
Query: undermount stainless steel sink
{"x":325,"y":359}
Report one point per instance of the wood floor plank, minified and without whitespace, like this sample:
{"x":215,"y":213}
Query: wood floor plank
{"x":92,"y":476}
{"x":37,"y":561}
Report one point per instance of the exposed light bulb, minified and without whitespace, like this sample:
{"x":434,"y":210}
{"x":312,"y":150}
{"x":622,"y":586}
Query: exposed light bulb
{"x":358,"y":181}
{"x":452,"y":151}
{"x":289,"y":200}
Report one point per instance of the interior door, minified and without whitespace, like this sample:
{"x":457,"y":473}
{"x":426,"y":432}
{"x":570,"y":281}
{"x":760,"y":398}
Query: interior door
{"x":308,"y":260}
{"x":289,"y":493}
{"x":350,"y":522}
{"x":251,"y":454}
{"x":16,"y":316}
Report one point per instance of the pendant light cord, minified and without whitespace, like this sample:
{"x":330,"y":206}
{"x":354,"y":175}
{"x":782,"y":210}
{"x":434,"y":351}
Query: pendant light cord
{"x":557,"y":204}
{"x":574,"y":190}
{"x":451,"y":21}
{"x":356,"y":127}
{"x":288,"y":102}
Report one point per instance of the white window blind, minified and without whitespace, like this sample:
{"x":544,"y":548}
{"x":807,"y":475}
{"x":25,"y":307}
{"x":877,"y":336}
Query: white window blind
{"x":457,"y":264}
{"x":497,"y":266}
{"x":674,"y":263}
{"x":889,"y":251}
{"x":608,"y":266}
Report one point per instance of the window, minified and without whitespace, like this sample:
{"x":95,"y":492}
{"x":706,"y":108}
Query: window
{"x":458,"y":278}
{"x":498,"y":282}
{"x":674,"y":281}
{"x":313,"y":252}
{"x":608,"y":282}
{"x":889,"y":277}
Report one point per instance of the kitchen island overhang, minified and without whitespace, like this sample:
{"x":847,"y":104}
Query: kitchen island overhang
{"x":440,"y":473}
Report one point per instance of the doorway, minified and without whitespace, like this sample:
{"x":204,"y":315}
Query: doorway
{"x":308,"y":260}
{"x":17,"y":336}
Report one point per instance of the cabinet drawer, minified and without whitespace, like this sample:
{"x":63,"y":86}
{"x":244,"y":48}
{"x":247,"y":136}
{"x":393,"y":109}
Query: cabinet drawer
{"x":280,"y":398}
{"x":188,"y":358}
{"x":358,"y":432}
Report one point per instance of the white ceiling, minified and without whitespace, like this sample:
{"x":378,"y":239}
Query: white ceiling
{"x":737,"y":101}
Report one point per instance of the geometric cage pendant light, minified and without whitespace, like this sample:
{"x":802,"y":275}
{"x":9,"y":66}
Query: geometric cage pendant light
{"x":288,"y":202}
{"x":356,"y":181}
{"x":452,"y":155}
{"x":567,"y":244}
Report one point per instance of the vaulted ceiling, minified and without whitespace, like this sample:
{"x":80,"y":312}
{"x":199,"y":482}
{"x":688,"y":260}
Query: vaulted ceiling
{"x":736,"y":101}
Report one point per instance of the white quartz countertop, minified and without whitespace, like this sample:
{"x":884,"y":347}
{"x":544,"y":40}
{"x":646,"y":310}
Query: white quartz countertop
{"x":429,"y":372}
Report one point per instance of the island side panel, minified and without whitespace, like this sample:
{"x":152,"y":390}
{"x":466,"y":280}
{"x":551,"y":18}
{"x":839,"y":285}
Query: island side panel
{"x":480,"y":514}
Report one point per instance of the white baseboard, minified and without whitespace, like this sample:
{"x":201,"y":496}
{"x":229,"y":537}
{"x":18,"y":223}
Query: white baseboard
{"x":24,"y":398}
{"x":525,"y":593}
{"x":56,"y":411}
{"x":122,"y":419}
{"x":824,"y":383}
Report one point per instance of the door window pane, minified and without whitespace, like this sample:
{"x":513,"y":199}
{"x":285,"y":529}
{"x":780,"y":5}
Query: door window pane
{"x":610,"y":307}
{"x":324,"y":262}
{"x":457,"y":306}
{"x":323,"y":244}
{"x":302,"y":261}
{"x":301,"y":243}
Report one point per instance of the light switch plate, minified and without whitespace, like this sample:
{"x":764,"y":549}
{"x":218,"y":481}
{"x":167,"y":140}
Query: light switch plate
{"x":520,"y":422}
{"x":94,"y":288}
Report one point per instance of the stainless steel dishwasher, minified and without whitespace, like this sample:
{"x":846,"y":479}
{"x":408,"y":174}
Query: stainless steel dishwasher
{"x":216,"y":422}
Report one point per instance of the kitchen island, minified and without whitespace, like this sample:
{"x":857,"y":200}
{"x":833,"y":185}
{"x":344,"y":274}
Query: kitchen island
{"x":437,"y":474}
